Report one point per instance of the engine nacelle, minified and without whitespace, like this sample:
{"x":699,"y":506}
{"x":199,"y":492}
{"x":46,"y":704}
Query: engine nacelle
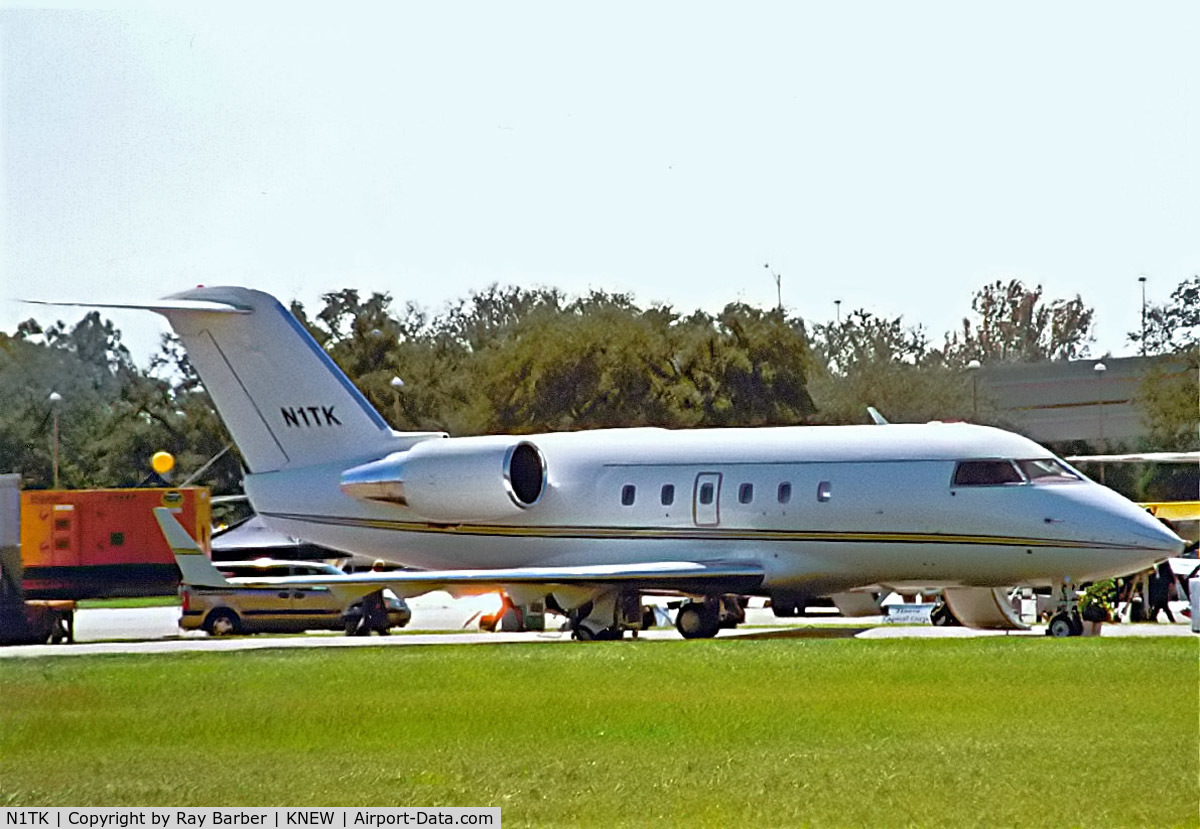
{"x":451,"y":480}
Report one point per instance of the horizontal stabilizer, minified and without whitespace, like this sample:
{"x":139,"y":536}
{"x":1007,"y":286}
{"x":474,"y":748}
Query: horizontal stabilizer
{"x":158,"y":305}
{"x":194,"y":566}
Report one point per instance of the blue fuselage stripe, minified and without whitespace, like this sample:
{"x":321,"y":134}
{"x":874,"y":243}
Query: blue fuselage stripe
{"x":324,"y":357}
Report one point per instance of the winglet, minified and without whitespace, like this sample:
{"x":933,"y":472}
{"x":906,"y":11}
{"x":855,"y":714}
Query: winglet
{"x":879,"y":419}
{"x":194,"y":565}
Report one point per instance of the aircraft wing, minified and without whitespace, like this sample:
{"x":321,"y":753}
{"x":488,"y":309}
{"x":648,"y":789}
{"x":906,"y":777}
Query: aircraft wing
{"x":668,"y":576}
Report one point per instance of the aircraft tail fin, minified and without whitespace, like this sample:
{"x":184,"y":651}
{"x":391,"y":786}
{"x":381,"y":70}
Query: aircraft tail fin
{"x":194,"y":566}
{"x":285,"y":401}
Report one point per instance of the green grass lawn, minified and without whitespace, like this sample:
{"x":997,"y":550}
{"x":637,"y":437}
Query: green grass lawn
{"x":1001,"y":732}
{"x":141,"y":601}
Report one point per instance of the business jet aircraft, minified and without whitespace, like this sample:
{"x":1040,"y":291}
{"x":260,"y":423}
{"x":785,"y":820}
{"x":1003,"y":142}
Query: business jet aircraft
{"x":592,"y":521}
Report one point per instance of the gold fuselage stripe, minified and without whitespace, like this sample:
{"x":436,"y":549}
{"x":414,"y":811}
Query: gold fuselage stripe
{"x":689,"y":534}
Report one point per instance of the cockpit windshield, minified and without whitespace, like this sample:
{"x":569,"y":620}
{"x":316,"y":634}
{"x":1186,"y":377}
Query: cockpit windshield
{"x":995,"y":472}
{"x":986,"y":473}
{"x":1046,"y":471}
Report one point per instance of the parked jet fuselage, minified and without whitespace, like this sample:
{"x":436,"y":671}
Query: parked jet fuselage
{"x":587,"y":517}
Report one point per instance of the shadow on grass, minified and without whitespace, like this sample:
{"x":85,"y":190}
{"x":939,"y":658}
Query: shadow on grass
{"x":806,"y":633}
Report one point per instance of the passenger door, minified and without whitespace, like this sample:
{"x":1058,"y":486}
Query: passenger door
{"x":706,"y":499}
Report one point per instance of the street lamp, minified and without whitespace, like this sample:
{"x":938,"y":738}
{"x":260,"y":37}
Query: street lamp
{"x":1099,"y":370}
{"x":55,"y":399}
{"x":778,"y":286}
{"x":974,"y":367}
{"x":1142,"y":279}
{"x":397,"y":384}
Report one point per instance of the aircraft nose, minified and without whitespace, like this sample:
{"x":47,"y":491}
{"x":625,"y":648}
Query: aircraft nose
{"x":1120,"y":523}
{"x":1145,"y":532}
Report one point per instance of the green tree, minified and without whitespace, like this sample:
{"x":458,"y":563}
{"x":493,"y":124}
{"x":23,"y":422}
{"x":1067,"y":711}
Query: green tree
{"x":596,"y":364}
{"x":744,"y":367}
{"x":1169,"y":395}
{"x":112,"y":416}
{"x":487,"y":316}
{"x":1174,"y":326}
{"x":1013,"y":324}
{"x":99,"y":417}
{"x":865,"y":360}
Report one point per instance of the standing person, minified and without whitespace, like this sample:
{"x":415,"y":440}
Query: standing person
{"x":1161,"y":583}
{"x":374,"y":615}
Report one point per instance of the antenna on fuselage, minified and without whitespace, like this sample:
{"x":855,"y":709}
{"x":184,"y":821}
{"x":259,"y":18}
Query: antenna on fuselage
{"x":879,"y":419}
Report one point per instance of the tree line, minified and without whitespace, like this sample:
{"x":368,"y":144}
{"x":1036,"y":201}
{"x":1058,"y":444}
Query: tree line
{"x":509,"y":359}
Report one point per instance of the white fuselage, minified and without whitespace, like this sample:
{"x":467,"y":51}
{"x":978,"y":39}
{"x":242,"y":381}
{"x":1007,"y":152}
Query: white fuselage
{"x":821,"y":509}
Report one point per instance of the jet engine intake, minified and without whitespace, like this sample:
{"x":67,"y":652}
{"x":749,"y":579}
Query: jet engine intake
{"x":451,"y":480}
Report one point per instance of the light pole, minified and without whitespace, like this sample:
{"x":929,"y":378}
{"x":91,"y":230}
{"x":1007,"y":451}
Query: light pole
{"x":1142,"y":279}
{"x":55,"y":399}
{"x":1099,"y":370}
{"x":973,"y":367}
{"x":837,"y":304}
{"x":778,"y":286}
{"x":397,"y":384}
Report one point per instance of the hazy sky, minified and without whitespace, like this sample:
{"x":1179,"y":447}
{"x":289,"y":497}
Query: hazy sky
{"x":895,"y":156}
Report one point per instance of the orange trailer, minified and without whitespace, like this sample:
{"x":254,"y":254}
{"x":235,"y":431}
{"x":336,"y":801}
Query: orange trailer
{"x":104,"y":543}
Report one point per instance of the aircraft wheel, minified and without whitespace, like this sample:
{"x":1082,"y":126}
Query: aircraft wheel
{"x":585,"y":634}
{"x":58,"y":629}
{"x":697,"y":621}
{"x":648,"y":618}
{"x":1061,"y":625}
{"x":1076,"y":625}
{"x":783,"y":609}
{"x":222,"y":623}
{"x":352,"y":619}
{"x":942,"y":617}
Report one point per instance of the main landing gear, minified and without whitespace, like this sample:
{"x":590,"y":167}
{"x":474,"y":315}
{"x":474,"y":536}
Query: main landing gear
{"x":702,"y":620}
{"x":608,"y":616}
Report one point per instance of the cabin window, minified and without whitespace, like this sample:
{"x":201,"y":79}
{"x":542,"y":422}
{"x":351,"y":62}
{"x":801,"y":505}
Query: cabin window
{"x":668,"y":494}
{"x":628,"y":495}
{"x":986,"y":473}
{"x":785,"y":493}
{"x":824,"y":491}
{"x":706,"y":494}
{"x":1046,"y":471}
{"x":745,"y":493}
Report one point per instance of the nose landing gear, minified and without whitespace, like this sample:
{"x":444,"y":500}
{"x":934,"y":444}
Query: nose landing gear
{"x":1065,"y":624}
{"x":1066,"y":620}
